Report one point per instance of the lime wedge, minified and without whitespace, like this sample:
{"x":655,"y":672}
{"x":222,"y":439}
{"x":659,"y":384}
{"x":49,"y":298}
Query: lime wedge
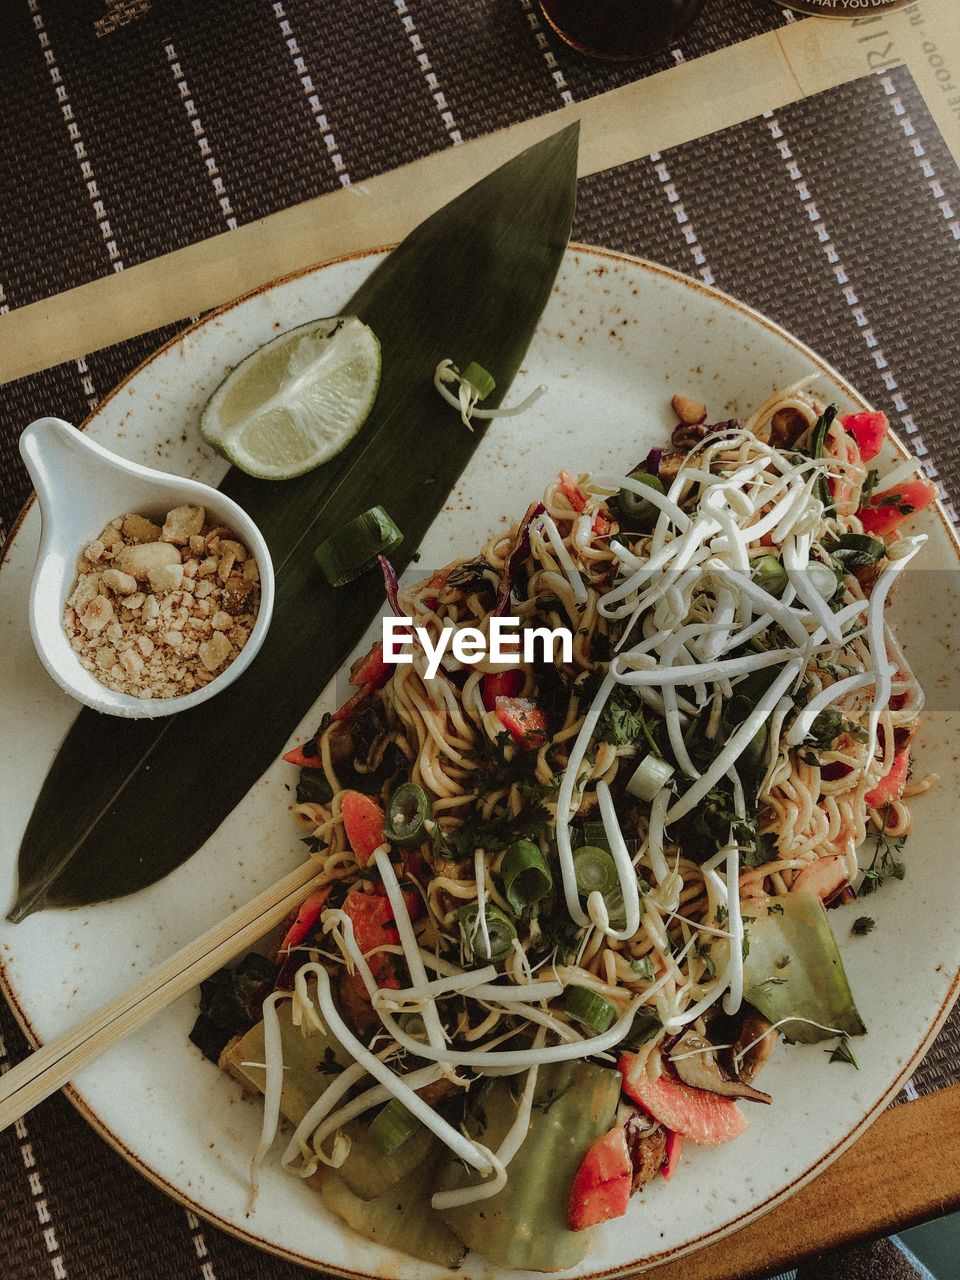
{"x":297,"y":401}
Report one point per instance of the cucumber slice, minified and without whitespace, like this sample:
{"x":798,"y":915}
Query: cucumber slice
{"x":308,"y":1060}
{"x":525,"y":1224}
{"x":370,"y":1174}
{"x":401,"y":1219}
{"x":793,"y":968}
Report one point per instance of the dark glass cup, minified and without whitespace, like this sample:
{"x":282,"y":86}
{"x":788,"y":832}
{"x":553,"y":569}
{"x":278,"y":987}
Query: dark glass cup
{"x":620,"y":30}
{"x":845,"y":8}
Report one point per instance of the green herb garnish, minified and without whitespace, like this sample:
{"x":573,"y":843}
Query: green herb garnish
{"x":843,"y":1053}
{"x":885,"y":864}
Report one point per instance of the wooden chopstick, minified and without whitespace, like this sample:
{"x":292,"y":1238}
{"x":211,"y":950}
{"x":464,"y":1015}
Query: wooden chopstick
{"x":51,"y":1066}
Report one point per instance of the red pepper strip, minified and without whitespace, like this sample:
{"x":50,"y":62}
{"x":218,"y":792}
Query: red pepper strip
{"x":370,"y":671}
{"x":671,"y":1154}
{"x":518,"y":553}
{"x":299,"y":757}
{"x":414,"y":864}
{"x":372,"y":914}
{"x":363,"y":822}
{"x":372,"y":917}
{"x":305,"y":919}
{"x":869,"y":429}
{"x":601,"y":524}
{"x":890,"y":788}
{"x":500,"y":684}
{"x":572,"y":491}
{"x":349,"y":708}
{"x":888,"y":509}
{"x":601,"y":1186}
{"x":526,"y":721}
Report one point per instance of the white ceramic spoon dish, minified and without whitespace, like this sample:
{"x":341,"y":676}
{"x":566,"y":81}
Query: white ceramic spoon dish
{"x":81,"y":486}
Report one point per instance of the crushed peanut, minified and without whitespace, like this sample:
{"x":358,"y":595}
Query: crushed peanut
{"x":142,"y":586}
{"x":689,"y":411}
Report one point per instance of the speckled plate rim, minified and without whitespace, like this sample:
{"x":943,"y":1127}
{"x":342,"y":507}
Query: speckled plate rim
{"x":652,"y":1259}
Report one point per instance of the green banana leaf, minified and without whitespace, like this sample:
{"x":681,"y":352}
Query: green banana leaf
{"x":470,"y":283}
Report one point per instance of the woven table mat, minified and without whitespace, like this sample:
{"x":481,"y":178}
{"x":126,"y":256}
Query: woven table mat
{"x":146,"y":125}
{"x":773,"y":211}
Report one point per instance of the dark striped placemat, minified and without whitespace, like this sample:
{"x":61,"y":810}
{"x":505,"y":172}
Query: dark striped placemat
{"x":146,"y":125}
{"x":835,"y":216}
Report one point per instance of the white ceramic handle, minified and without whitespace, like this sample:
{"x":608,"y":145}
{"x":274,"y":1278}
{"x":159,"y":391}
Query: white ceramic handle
{"x":59,"y":458}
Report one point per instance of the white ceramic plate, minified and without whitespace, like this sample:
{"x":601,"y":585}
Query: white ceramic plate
{"x":617,"y":339}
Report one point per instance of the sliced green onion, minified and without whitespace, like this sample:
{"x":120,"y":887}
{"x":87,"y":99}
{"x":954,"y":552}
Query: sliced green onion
{"x":637,"y":509}
{"x":645,"y":1026}
{"x":525,"y":874}
{"x":769,"y":574}
{"x":651,"y":775}
{"x":595,"y":870}
{"x":501,"y":932}
{"x":818,"y":440}
{"x":589,"y":1008}
{"x":594,"y":833}
{"x":823,"y":578}
{"x":353,"y":549}
{"x":391,"y":1127}
{"x":853,"y":550}
{"x":616,"y":909}
{"x":480,"y":379}
{"x":408,"y":812}
{"x":818,"y":433}
{"x":414,"y":1026}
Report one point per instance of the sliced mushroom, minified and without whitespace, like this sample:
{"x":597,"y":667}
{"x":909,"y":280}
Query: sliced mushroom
{"x":786,"y":428}
{"x":439,"y":1091}
{"x":757,"y":1032}
{"x":671,"y":462}
{"x":341,"y":743}
{"x":694,"y":1059}
{"x":646,"y":1143}
{"x":868,"y":574}
{"x":686,"y":434}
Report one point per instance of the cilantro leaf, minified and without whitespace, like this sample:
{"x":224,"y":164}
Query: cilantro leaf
{"x":703,"y":950}
{"x":885,"y":865}
{"x":494,"y":833}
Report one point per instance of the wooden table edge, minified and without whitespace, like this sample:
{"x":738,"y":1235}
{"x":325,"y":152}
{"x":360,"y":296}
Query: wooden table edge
{"x":905,"y":1169}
